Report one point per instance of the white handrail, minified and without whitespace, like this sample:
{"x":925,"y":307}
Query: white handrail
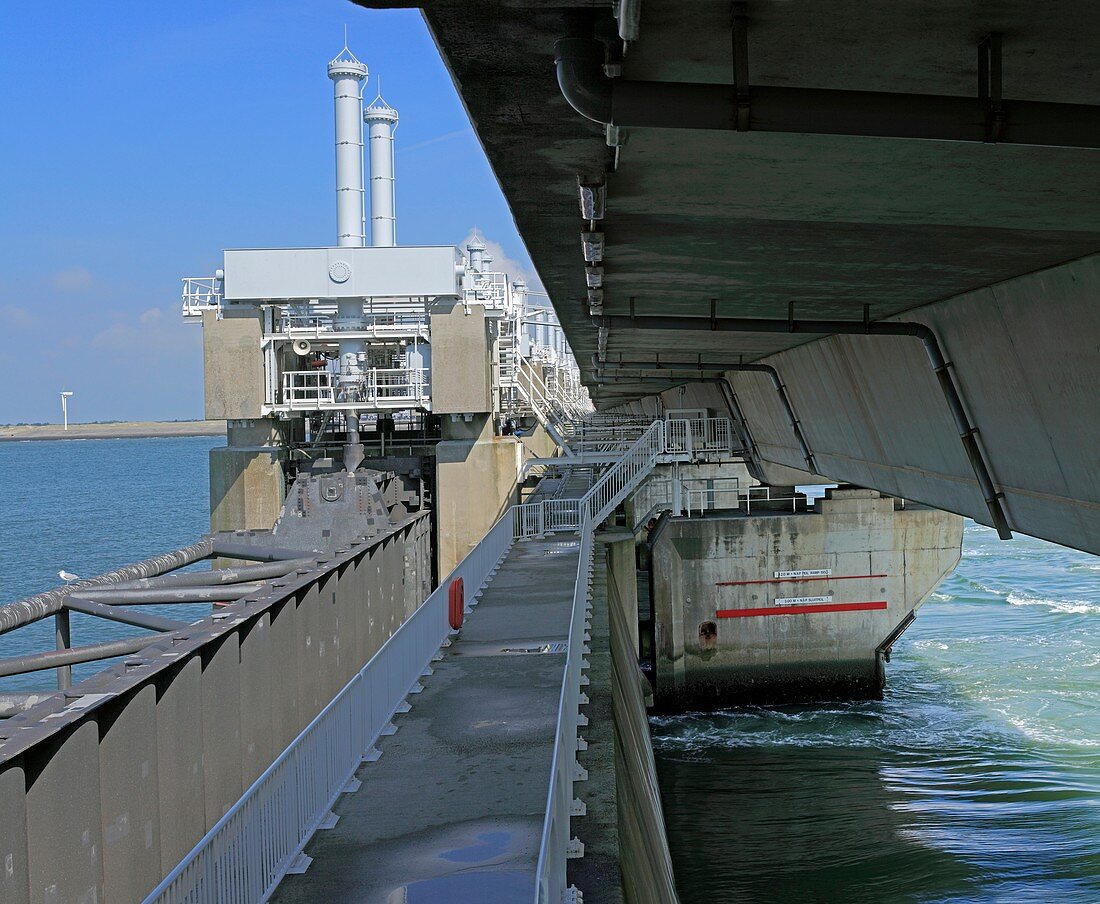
{"x":556,"y":847}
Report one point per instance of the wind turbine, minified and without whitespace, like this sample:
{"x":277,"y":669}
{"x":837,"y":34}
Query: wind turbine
{"x":65,"y":396}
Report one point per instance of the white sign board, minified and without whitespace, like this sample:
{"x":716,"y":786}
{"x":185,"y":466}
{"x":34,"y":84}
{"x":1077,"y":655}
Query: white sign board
{"x":803,"y":600}
{"x":805,"y":573}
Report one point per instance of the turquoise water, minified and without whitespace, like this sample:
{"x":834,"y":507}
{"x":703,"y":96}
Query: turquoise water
{"x":977,"y":779}
{"x":87,"y":506}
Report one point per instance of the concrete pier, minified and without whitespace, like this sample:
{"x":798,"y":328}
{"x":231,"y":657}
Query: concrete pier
{"x":782,"y":605}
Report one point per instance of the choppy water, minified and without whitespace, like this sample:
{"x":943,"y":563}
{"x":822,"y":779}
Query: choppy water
{"x":87,"y":506}
{"x":976,"y":779}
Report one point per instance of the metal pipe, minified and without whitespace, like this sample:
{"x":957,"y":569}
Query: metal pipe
{"x":33,"y":608}
{"x":124,"y":616}
{"x":940,"y":366}
{"x":37,"y":662}
{"x":347,"y":73}
{"x":777,"y":383}
{"x":817,"y":111}
{"x":218,"y":576}
{"x":255,"y":552}
{"x":381,"y":121}
{"x":171,"y":595}
{"x":62,"y":642}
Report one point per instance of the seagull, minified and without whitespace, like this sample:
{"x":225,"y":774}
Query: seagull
{"x":67,"y":576}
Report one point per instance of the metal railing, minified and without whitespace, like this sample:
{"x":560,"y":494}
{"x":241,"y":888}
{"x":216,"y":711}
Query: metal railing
{"x":556,"y":846}
{"x":201,"y":293}
{"x":536,"y":519}
{"x":699,"y":436}
{"x":622,"y":478}
{"x":374,"y":387}
{"x":249,"y":850}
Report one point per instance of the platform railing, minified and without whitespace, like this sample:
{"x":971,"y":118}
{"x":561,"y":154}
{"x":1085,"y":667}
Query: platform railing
{"x":248,"y":851}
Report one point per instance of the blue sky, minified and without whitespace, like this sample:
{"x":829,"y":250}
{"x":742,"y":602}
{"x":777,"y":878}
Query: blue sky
{"x":142,"y":138}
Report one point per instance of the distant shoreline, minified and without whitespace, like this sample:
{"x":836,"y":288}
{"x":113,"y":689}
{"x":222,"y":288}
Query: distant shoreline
{"x":121,"y":430}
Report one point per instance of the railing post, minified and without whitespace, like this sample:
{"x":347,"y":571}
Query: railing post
{"x":61,"y":637}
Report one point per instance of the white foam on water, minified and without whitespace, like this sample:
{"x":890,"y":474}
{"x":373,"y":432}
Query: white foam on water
{"x":1068,"y":607}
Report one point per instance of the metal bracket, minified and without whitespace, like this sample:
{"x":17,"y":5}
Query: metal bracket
{"x":989,"y":86}
{"x":299,"y":864}
{"x":575,"y":849}
{"x":742,"y":100}
{"x":578,"y":808}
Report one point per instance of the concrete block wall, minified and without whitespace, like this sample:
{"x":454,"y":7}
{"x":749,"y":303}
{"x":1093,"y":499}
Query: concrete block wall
{"x":721,"y":635}
{"x":461,"y":360}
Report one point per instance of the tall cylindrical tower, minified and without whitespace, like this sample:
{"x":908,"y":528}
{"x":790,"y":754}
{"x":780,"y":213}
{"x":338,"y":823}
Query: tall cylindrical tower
{"x":477,"y":253}
{"x":381,"y":120}
{"x":347,"y":74}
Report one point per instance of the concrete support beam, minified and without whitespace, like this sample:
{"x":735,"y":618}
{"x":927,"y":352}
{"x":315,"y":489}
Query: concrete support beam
{"x":461,"y":360}
{"x":1023,"y":354}
{"x":477,"y":476}
{"x":247,"y":487}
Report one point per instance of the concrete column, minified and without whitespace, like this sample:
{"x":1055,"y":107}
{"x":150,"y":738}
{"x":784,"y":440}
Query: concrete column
{"x":623,"y":583}
{"x":477,"y":477}
{"x":246,"y":476}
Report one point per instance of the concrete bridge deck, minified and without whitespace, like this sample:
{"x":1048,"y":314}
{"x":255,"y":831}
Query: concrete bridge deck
{"x":453,"y":810}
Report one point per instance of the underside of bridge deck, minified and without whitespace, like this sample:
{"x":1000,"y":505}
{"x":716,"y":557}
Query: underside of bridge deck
{"x":817,"y":173}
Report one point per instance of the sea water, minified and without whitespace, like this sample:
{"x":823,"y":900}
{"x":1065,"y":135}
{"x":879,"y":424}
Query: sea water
{"x":86,"y":507}
{"x":977,"y":778}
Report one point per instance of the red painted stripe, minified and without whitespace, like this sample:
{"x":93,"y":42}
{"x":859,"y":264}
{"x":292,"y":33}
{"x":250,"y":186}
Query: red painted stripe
{"x":839,"y":577}
{"x":801,"y":610}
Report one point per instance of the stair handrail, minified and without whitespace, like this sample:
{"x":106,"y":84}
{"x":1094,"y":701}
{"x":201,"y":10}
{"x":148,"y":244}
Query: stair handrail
{"x":625,"y":476}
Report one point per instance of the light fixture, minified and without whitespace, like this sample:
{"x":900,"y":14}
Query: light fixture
{"x":594,"y":277}
{"x":593,"y":195}
{"x":595,"y":301}
{"x":592,"y":244}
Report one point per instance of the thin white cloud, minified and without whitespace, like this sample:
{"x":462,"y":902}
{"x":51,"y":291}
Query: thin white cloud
{"x":449,"y":136}
{"x":74,"y":279}
{"x":503,"y":263}
{"x":15,"y":317}
{"x":150,"y":334}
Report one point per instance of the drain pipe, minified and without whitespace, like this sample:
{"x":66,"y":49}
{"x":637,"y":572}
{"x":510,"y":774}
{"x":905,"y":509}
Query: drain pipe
{"x":818,"y":111}
{"x":968,"y":433}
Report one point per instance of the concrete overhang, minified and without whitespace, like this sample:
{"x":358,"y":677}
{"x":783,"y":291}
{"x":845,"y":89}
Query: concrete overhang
{"x":756,"y":220}
{"x":989,"y":244}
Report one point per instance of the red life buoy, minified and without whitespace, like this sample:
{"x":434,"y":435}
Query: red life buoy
{"x":456,"y":603}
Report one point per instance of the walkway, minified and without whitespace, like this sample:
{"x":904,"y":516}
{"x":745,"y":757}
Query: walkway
{"x":454,"y":808}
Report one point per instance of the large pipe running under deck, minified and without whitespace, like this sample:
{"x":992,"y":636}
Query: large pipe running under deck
{"x":967,"y":432}
{"x":817,"y":111}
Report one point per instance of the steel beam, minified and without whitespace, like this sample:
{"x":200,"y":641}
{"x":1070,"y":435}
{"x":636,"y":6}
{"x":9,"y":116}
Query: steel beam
{"x":33,"y":608}
{"x":37,"y":662}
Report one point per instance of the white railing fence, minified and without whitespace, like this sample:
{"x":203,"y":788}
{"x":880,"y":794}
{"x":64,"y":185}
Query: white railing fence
{"x":556,"y":846}
{"x":249,"y":850}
